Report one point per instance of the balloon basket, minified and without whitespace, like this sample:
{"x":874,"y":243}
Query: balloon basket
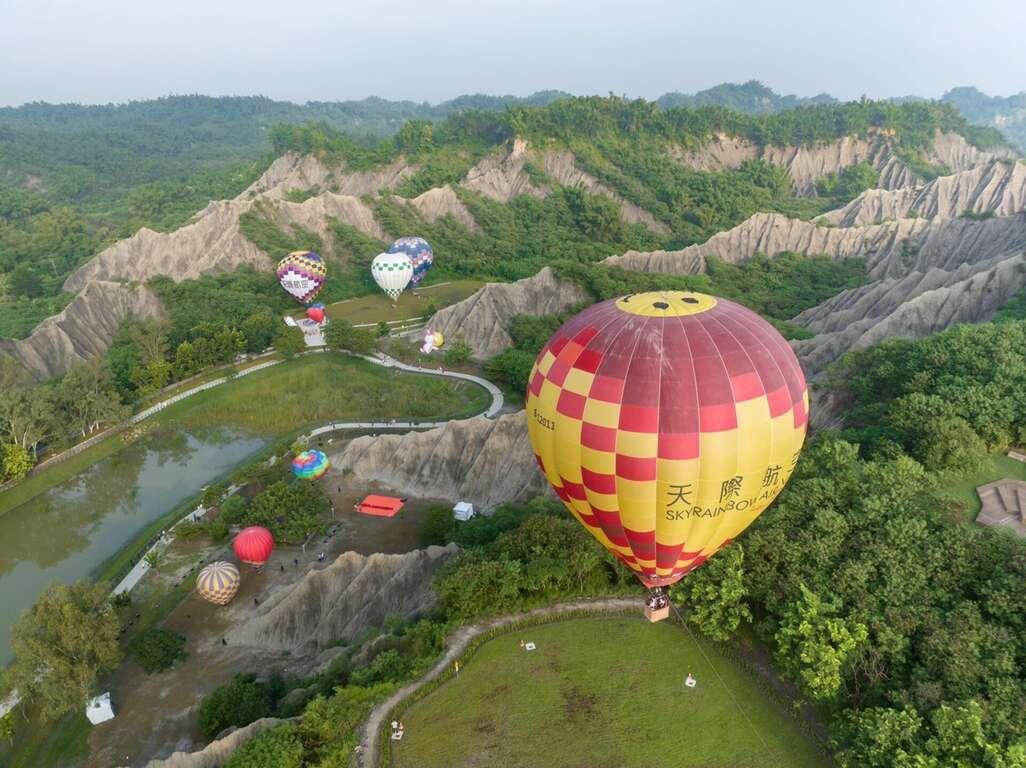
{"x":657,"y":614}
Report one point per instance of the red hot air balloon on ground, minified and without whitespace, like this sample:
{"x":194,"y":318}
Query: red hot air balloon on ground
{"x":253,"y":545}
{"x":316,"y":314}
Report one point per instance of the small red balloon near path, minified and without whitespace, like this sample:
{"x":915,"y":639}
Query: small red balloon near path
{"x":316,"y":314}
{"x":253,"y":545}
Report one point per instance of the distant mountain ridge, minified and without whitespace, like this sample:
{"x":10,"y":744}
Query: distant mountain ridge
{"x":179,"y":134}
{"x":752,"y":97}
{"x":1006,"y":113}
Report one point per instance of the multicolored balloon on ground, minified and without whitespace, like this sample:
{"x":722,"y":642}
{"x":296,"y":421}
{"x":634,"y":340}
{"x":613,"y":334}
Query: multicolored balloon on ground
{"x":218,"y":582}
{"x":666,"y":422}
{"x":253,"y":545}
{"x":310,"y":465}
{"x":302,"y":273}
{"x":392,"y":272}
{"x":419,"y":252}
{"x":432,"y":341}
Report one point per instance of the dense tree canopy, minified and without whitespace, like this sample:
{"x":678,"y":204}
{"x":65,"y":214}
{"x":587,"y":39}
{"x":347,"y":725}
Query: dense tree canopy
{"x":62,"y":645}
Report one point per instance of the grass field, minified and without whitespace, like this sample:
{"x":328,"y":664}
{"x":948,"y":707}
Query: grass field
{"x":994,"y":468}
{"x":600,"y":693}
{"x":378,"y":307}
{"x":316,"y":389}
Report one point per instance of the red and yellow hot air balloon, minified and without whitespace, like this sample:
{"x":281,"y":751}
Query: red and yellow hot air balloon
{"x":253,"y":545}
{"x":666,"y":422}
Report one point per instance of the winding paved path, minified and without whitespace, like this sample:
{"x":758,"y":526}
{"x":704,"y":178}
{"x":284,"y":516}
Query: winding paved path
{"x":456,"y":644}
{"x":390,"y":362}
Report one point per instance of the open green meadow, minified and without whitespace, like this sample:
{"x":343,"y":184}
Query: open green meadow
{"x":600,"y":693}
{"x":316,"y":389}
{"x":377,"y":307}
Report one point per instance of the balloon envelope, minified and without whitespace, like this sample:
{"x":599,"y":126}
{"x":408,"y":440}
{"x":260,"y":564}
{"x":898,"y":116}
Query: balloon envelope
{"x":666,"y":422}
{"x":253,"y":545}
{"x":218,"y":582}
{"x":310,"y":465}
{"x":419,"y":252}
{"x":316,"y":314}
{"x":392,"y":273}
{"x":302,"y":273}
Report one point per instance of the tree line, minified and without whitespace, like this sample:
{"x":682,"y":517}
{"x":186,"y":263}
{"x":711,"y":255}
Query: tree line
{"x":210,"y":322}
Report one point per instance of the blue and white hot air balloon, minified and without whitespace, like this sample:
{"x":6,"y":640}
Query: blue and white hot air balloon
{"x":419,"y":252}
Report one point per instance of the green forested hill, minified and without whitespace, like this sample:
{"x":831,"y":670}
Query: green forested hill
{"x":88,"y":153}
{"x":75,"y":178}
{"x":1007,"y":114}
{"x":752,"y":97}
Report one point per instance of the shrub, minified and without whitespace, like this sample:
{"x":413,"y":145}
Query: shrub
{"x":212,"y":494}
{"x":388,"y":667}
{"x":236,"y":703}
{"x":233,"y":509}
{"x":156,"y":650}
{"x":291,"y":511}
{"x":457,"y":351}
{"x":437,"y":525}
{"x":511,"y":367}
{"x":278,"y":747}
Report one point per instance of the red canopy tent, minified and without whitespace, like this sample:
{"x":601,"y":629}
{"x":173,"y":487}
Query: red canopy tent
{"x":380,"y":506}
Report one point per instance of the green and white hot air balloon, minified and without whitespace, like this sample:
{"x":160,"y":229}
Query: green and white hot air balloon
{"x":392,"y":272}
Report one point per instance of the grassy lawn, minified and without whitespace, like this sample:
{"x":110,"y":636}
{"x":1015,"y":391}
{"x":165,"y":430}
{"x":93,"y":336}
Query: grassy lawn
{"x":63,"y":743}
{"x":599,"y":693}
{"x":316,"y":389}
{"x":378,"y":307}
{"x":202,"y":378}
{"x":996,"y":467}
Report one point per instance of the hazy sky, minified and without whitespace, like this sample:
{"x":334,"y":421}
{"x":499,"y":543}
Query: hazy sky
{"x":114,"y":50}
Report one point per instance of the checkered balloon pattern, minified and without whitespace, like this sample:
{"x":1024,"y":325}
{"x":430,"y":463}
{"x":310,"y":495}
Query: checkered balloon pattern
{"x":218,"y":582}
{"x":419,"y":252}
{"x":666,"y":422}
{"x":392,"y":272}
{"x":302,"y":274}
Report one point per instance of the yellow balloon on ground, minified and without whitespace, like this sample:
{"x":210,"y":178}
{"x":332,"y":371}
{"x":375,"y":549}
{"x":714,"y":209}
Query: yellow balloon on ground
{"x":666,"y":422}
{"x":218,"y":582}
{"x":439,"y":339}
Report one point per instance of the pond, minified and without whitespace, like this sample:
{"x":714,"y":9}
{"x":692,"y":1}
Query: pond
{"x":69,"y":532}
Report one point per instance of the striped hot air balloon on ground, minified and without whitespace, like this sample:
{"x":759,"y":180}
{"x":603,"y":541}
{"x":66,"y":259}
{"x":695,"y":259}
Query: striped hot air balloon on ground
{"x":310,"y":465}
{"x":666,"y":422}
{"x":218,"y":582}
{"x":253,"y":545}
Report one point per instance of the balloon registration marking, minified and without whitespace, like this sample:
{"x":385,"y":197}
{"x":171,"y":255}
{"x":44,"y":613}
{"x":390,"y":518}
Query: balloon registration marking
{"x":302,"y":274}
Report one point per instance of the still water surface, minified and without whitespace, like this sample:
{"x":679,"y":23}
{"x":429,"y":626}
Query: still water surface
{"x":68,"y":532}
